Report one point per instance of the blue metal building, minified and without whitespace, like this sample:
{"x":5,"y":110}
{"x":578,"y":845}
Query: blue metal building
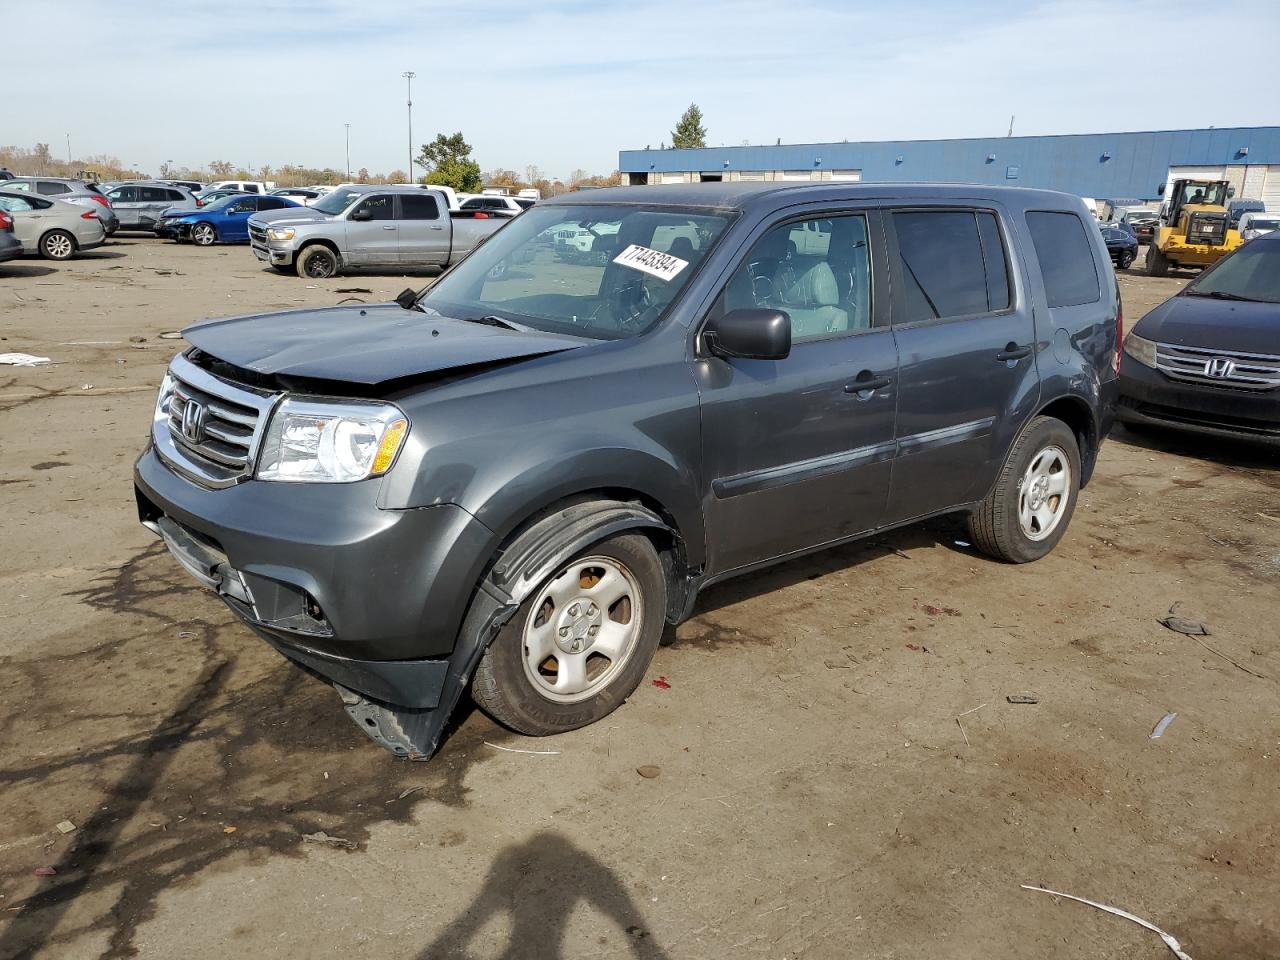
{"x":1112,"y":165}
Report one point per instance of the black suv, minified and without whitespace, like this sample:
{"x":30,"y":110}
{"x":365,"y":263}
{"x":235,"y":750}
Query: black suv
{"x":515,"y":479}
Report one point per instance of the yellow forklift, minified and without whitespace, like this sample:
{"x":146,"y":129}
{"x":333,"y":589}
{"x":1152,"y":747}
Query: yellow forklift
{"x":1193,"y":230}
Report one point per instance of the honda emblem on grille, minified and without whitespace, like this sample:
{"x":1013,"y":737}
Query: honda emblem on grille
{"x":193,"y":421}
{"x":1219,"y":368}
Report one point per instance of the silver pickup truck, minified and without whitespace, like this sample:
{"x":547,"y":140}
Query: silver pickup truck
{"x":368,"y":226}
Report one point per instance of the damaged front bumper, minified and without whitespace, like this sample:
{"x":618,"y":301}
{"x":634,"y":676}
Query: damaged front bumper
{"x":372,"y":600}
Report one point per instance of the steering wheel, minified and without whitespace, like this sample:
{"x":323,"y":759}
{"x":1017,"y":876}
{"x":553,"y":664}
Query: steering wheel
{"x":629,"y":302}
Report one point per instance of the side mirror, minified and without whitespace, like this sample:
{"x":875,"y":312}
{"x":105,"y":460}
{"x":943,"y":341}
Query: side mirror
{"x":407,"y":297}
{"x":750,"y":334}
{"x":362,"y":214}
{"x":1231,"y":191}
{"x":1160,"y":190}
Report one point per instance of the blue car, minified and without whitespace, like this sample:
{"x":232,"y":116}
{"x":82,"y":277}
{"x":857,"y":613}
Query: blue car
{"x":1122,"y":243}
{"x":227,"y":220}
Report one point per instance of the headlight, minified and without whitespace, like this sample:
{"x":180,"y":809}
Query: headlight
{"x":163,"y":400}
{"x":309,"y":442}
{"x":274,"y":234}
{"x":1144,"y":351}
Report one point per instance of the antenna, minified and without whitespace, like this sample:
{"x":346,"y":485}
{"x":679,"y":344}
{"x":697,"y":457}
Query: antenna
{"x":1010,"y":133}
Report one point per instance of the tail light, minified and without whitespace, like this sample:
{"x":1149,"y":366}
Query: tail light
{"x":482,"y":216}
{"x":89,"y":215}
{"x":98,"y":198}
{"x":6,"y":221}
{"x":199,"y":203}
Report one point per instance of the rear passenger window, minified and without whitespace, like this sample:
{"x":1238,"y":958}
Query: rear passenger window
{"x":51,"y":189}
{"x":419,"y":207}
{"x":1066,"y":259}
{"x":953,"y":264}
{"x":994,"y":257}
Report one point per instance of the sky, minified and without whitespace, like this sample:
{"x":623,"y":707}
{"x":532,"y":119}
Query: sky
{"x":565,"y":84}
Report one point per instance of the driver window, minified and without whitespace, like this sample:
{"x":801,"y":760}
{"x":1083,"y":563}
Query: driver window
{"x":817,"y":270}
{"x":378,"y":208}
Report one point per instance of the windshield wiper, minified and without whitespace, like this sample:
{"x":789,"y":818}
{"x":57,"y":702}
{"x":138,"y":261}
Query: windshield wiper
{"x":1223,"y":295}
{"x":491,"y":321}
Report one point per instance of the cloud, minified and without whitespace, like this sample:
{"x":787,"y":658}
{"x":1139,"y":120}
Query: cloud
{"x":566,"y":83}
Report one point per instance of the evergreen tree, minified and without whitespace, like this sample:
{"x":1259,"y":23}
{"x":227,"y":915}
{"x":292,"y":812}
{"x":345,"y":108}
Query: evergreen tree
{"x":689,"y":132}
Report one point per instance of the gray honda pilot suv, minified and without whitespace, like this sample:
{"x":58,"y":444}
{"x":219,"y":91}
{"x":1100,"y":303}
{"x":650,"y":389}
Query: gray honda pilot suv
{"x":516,"y":479}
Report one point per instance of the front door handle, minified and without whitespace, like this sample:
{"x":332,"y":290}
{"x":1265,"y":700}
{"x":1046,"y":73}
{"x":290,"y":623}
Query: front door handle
{"x":437,"y":227}
{"x":866,"y":383}
{"x":1012,"y":351}
{"x":388,"y":228}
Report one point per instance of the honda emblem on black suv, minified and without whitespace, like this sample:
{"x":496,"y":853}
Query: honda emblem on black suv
{"x":1219,"y":368}
{"x":193,"y":421}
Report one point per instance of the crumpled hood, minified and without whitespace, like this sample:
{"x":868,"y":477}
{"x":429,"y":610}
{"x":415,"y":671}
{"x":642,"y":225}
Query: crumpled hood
{"x":367,"y":344}
{"x":1227,"y":325}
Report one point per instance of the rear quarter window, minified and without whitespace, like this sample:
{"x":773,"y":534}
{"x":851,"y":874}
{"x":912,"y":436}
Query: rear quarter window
{"x":1065,"y":257}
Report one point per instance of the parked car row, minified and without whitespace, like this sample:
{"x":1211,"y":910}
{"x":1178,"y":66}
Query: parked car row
{"x":55,"y":229}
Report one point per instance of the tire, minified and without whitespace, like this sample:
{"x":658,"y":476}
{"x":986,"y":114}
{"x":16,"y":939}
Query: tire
{"x":518,"y":688}
{"x":58,"y":245}
{"x":1126,"y":260}
{"x":317,"y":262}
{"x":1157,"y":263}
{"x":1028,"y":511}
{"x":204,"y":235}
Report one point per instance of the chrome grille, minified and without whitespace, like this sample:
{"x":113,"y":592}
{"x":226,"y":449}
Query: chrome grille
{"x":211,"y":429}
{"x":1219,"y":368}
{"x":257,"y":233}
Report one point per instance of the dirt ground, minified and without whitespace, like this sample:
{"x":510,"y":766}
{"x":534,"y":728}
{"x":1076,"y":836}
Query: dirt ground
{"x":817,"y":795}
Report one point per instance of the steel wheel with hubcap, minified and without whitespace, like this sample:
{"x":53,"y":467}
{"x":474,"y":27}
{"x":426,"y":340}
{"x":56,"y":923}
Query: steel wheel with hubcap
{"x":579,"y":645}
{"x":57,"y":245}
{"x":1028,"y":509}
{"x":204,"y":234}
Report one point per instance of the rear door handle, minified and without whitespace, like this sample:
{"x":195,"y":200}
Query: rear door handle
{"x":437,"y":227}
{"x":388,"y":228}
{"x":1013,"y":352}
{"x":867,"y":384}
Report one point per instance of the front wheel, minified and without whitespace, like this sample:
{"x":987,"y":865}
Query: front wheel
{"x":204,"y":234}
{"x":317,"y":262}
{"x":579,"y":645}
{"x":1027,"y":511}
{"x":1157,"y":262}
{"x":57,"y":245}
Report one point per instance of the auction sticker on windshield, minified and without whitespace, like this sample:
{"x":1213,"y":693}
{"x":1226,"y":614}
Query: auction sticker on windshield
{"x":661,"y":265}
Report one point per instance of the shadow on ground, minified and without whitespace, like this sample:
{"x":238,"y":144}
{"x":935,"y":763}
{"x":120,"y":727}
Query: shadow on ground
{"x":249,"y":742}
{"x":537,"y":885}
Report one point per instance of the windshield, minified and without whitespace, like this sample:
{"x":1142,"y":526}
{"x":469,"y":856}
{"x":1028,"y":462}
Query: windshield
{"x":337,"y":201}
{"x":1259,"y":223}
{"x":1211,"y":193}
{"x":1252,"y":273}
{"x":597,"y":271}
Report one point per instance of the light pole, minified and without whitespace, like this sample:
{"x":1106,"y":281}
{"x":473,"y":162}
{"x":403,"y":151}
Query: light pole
{"x":409,"y":75}
{"x":348,"y":126}
{"x":68,"y":148}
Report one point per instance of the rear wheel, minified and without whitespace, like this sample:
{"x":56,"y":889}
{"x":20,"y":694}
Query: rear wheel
{"x":204,"y":234}
{"x":1027,"y":511}
{"x":580,"y":644}
{"x":1126,"y":259}
{"x":1157,"y":262}
{"x":317,"y":262}
{"x":57,"y":245}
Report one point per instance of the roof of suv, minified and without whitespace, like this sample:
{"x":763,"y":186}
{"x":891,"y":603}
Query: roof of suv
{"x":739,"y":195}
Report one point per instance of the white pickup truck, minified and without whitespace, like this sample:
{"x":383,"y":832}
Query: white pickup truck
{"x":368,"y":225}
